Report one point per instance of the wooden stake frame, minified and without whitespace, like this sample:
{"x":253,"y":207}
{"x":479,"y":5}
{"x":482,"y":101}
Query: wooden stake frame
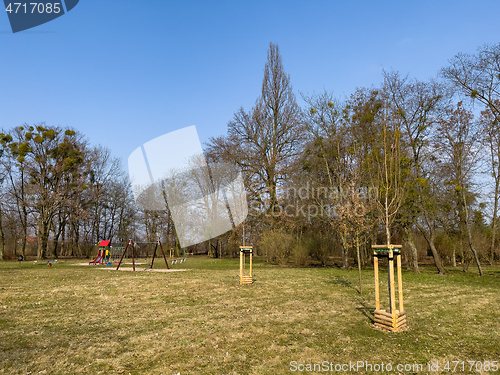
{"x":392,"y":319}
{"x":244,"y":278}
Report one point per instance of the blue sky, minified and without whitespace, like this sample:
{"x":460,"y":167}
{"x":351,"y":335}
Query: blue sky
{"x":124,"y":72}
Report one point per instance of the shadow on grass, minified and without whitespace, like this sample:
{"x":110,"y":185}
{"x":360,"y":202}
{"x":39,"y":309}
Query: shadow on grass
{"x":343,"y":282}
{"x":366,"y":309}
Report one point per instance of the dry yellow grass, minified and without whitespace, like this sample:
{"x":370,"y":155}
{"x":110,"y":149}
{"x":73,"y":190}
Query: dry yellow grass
{"x":77,"y":319}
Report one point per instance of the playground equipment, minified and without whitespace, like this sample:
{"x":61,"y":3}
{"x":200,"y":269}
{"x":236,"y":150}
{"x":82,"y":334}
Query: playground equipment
{"x":130,"y":244}
{"x":174,"y":261}
{"x":115,"y":253}
{"x":103,"y":254}
{"x":143,"y":252}
{"x":391,"y":319}
{"x":245,"y":278}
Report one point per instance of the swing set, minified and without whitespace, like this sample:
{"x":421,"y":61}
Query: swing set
{"x":181,"y":260}
{"x":115,"y":252}
{"x":131,"y":243}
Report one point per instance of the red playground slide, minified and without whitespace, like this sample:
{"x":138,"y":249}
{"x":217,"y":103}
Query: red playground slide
{"x":98,"y":258}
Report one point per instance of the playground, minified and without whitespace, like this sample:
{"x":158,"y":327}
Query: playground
{"x":69,"y":319}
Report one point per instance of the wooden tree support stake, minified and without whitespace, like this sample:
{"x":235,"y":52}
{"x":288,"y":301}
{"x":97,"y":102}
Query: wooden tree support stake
{"x":245,"y":278}
{"x":392,"y":319}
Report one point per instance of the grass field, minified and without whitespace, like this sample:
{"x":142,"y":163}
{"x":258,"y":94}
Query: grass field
{"x":72,"y":319}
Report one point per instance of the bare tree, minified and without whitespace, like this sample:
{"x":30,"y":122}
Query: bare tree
{"x":5,"y":140}
{"x":328,"y":162}
{"x":458,"y":141}
{"x":391,"y":171}
{"x":263,"y":141}
{"x":418,"y":105}
{"x":491,"y":134}
{"x":333,"y":159}
{"x":478,"y":76}
{"x":385,"y":160}
{"x":15,"y":169}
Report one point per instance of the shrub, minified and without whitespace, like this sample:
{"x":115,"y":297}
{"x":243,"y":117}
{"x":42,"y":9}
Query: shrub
{"x":319,"y":248}
{"x":276,"y":245}
{"x":300,"y":254}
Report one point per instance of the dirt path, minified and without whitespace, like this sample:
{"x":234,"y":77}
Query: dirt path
{"x":136,"y":268}
{"x":146,"y":269}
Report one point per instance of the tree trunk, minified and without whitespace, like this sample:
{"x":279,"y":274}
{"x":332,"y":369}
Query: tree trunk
{"x":359,"y":263}
{"x":15,"y":243}
{"x":2,"y":237}
{"x":493,"y":240}
{"x":71,"y":240}
{"x":43,"y":237}
{"x":414,"y":252}
{"x":494,"y":222}
{"x":474,"y":252}
{"x":465,"y":262}
{"x":56,"y":237}
{"x":430,"y":237}
{"x":63,"y":242}
{"x":387,"y":229}
{"x":23,"y":244}
{"x":216,"y":249}
{"x":345,"y":264}
{"x":77,"y":242}
{"x":436,"y":256}
{"x":210,"y":254}
{"x":469,"y":235}
{"x":24,"y":219}
{"x":55,"y":245}
{"x":363,"y":254}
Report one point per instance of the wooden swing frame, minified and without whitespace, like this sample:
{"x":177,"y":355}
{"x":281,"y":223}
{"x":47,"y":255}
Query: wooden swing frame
{"x":131,"y":244}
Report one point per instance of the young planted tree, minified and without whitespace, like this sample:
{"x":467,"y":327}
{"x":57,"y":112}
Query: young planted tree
{"x":386,"y":161}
